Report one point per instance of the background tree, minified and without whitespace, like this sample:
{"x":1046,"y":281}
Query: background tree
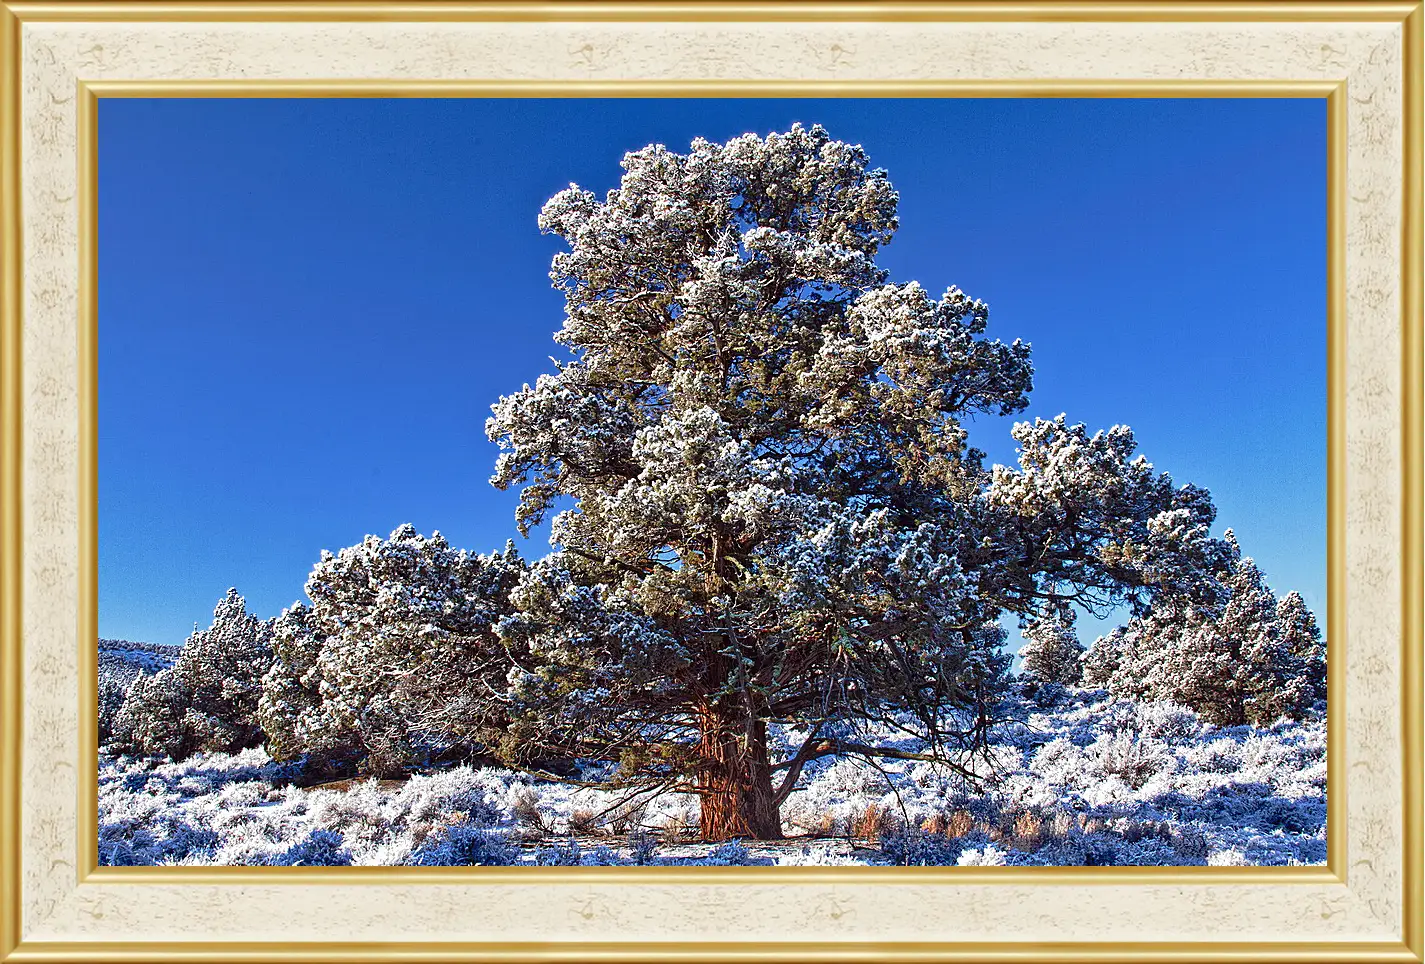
{"x":395,"y":662}
{"x":1104,"y":657}
{"x":775,"y":512}
{"x":207,"y":700}
{"x":1302,"y":638}
{"x":293,"y":708}
{"x":1245,"y":658}
{"x":1052,"y":653}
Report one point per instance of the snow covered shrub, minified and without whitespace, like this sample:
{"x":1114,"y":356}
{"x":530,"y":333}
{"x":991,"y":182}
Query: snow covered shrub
{"x":678,"y":816}
{"x":1052,"y":653}
{"x":600,"y":856}
{"x":1228,"y":858}
{"x":393,"y":664}
{"x":207,"y":700}
{"x":1191,"y":846}
{"x":525,"y":805}
{"x":1259,"y":792}
{"x":1059,"y":762}
{"x":987,"y":856}
{"x":477,"y":795}
{"x":1246,"y":657}
{"x":1047,"y":695}
{"x":320,"y":848}
{"x":733,"y":853}
{"x":566,"y":854}
{"x":818,"y":856}
{"x":915,"y":847}
{"x":1134,"y":760}
{"x":145,"y":829}
{"x":1166,"y":721}
{"x":628,"y":816}
{"x":464,"y":845}
{"x":642,"y":848}
{"x":1087,"y":848}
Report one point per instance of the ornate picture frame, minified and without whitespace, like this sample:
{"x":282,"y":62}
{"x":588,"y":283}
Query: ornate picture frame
{"x":1364,"y":59}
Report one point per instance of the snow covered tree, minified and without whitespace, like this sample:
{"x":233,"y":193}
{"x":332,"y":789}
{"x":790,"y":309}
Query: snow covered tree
{"x":775,"y":515}
{"x":1052,"y":653}
{"x":111,"y":700}
{"x":1302,"y":638}
{"x":395,"y":661}
{"x":1246,"y":658}
{"x":207,"y":700}
{"x":293,"y":710}
{"x":1103,"y":658}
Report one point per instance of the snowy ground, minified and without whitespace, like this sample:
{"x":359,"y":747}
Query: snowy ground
{"x":1083,"y":780}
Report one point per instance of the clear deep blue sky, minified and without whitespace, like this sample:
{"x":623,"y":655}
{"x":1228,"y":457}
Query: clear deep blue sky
{"x":306,"y":307}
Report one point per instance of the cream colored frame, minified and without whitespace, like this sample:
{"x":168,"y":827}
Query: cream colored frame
{"x":1363,"y":58}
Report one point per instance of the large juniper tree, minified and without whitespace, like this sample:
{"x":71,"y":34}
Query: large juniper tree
{"x":770,"y":509}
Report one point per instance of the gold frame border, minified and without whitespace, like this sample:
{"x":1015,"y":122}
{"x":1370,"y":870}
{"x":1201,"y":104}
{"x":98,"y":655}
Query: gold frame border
{"x":761,"y":11}
{"x":1408,"y":14}
{"x":717,"y":952}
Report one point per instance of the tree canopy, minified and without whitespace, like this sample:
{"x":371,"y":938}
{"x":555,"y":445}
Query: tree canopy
{"x":394,"y":662}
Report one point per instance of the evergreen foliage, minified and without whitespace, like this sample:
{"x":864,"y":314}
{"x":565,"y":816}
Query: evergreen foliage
{"x":207,"y":700}
{"x":1246,"y":657}
{"x":395,"y":662}
{"x":1052,"y":653}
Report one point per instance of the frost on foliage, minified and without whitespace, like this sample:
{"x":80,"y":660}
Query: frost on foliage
{"x":394,"y":662}
{"x":121,"y":663}
{"x":320,"y":848}
{"x":1095,"y":525}
{"x":464,"y":845}
{"x":1052,"y":653}
{"x":913,"y":846}
{"x":776,"y":515}
{"x":777,"y":550}
{"x":1242,"y":657}
{"x":207,"y":700}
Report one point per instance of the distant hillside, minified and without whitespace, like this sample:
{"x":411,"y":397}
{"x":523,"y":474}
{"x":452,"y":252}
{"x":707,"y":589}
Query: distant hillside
{"x":121,"y":661}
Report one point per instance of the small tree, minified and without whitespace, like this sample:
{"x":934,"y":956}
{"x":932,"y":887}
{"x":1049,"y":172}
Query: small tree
{"x":207,"y":700}
{"x":1302,"y":638}
{"x":111,"y":699}
{"x":395,"y":662}
{"x":776,"y":515}
{"x":1052,"y":653}
{"x":1101,"y":662}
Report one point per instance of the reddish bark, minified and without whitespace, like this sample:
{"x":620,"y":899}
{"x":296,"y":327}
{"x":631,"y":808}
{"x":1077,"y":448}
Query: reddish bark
{"x":735,"y":780}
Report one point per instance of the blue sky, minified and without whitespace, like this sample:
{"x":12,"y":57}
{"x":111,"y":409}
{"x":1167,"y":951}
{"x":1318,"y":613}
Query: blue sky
{"x":306,"y":307}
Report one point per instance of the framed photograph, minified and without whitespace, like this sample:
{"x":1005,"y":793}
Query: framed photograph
{"x":712,"y":481}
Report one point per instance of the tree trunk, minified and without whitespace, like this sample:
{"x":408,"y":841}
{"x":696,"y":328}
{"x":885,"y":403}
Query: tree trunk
{"x":735,"y":780}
